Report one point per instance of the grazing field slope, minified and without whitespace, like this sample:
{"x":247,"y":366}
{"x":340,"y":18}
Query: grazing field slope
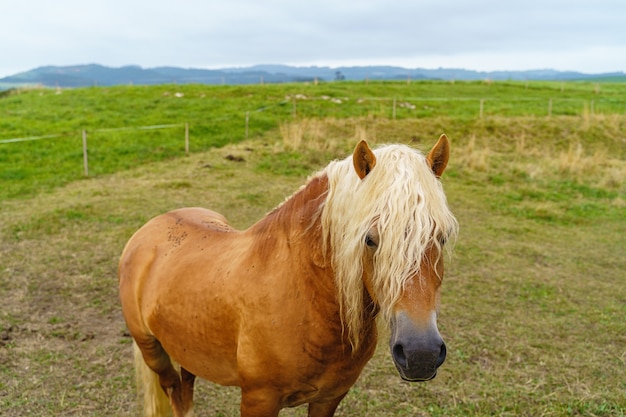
{"x":533,"y":305}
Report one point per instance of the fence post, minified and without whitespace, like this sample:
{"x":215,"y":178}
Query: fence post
{"x":550,"y":108}
{"x":293,"y":109}
{"x":482,"y":105}
{"x":247,"y":119}
{"x":85,"y":159}
{"x":186,"y":138}
{"x":394,"y":108}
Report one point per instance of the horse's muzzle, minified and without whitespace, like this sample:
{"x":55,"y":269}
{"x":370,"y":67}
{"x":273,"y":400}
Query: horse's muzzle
{"x":417,"y":351}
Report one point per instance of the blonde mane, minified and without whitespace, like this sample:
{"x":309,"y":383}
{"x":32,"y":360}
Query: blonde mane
{"x":406,"y":202}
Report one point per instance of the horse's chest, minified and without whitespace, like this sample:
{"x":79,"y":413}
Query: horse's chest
{"x":326,"y":372}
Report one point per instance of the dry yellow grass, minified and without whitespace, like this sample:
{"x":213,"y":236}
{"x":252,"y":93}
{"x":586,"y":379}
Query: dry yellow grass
{"x":567,"y":154}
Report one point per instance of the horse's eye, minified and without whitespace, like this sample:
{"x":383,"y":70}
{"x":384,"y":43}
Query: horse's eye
{"x":370,"y":242}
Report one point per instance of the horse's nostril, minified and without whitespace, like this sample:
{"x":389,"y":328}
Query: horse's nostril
{"x":399,"y":355}
{"x":442,"y":355}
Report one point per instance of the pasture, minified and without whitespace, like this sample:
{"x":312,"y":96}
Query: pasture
{"x":533,"y":306}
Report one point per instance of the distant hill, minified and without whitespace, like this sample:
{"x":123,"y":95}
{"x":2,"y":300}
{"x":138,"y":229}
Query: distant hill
{"x":98,"y":75}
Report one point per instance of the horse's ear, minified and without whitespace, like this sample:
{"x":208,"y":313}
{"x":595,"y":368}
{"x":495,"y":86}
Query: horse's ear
{"x":438,"y":156}
{"x":363,"y":159}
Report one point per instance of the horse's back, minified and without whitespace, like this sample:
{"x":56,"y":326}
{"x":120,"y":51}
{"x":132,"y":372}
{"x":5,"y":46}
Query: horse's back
{"x":167,"y":239}
{"x":165,"y":233}
{"x":176,"y":225}
{"x":196,"y":217}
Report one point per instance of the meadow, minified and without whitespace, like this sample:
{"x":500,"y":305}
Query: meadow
{"x":114,"y":118}
{"x":533,"y":303}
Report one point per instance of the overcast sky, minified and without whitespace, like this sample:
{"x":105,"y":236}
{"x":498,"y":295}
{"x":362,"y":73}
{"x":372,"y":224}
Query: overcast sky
{"x":580,"y":35}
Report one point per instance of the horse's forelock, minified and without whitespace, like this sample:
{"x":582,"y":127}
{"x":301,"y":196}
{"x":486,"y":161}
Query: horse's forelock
{"x":402,"y":196}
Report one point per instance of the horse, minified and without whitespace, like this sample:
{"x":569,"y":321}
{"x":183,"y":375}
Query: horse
{"x":287,"y":309}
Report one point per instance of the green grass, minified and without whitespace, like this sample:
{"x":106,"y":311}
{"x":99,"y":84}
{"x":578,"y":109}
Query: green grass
{"x":217,"y":116}
{"x":533,"y":303}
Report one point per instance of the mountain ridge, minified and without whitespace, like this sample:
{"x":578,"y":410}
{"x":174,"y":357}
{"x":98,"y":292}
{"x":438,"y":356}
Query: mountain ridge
{"x":100,"y":75}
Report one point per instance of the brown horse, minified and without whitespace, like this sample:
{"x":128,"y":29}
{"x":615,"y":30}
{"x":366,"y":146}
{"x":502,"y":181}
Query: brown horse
{"x":286,"y":309}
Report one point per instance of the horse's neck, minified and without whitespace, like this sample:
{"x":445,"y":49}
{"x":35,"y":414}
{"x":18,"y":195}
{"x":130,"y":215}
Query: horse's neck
{"x":299,"y":209}
{"x":298,"y":218}
{"x":302,"y":209}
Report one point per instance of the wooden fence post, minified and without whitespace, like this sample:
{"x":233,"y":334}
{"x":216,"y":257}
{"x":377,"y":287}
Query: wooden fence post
{"x":186,"y":138}
{"x":482,"y":105}
{"x":550,"y":108}
{"x":85,"y":158}
{"x":247,"y":120}
{"x":394,"y":108}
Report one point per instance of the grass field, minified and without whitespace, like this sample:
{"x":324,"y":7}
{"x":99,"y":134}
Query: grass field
{"x":533,"y":303}
{"x":217,"y":115}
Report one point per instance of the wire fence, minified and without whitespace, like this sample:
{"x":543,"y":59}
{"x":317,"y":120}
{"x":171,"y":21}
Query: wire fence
{"x":112,"y":129}
{"x":300,"y":106}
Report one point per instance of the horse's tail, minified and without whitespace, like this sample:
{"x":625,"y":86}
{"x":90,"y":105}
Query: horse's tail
{"x":155,"y":402}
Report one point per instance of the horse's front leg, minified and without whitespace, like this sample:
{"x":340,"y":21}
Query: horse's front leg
{"x":259,"y":403}
{"x":324,"y":409}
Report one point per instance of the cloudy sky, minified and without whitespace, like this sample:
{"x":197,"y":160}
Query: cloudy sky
{"x":580,"y":35}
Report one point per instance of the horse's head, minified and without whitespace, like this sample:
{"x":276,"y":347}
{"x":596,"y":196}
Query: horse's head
{"x":405,"y":273}
{"x":395,"y":228}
